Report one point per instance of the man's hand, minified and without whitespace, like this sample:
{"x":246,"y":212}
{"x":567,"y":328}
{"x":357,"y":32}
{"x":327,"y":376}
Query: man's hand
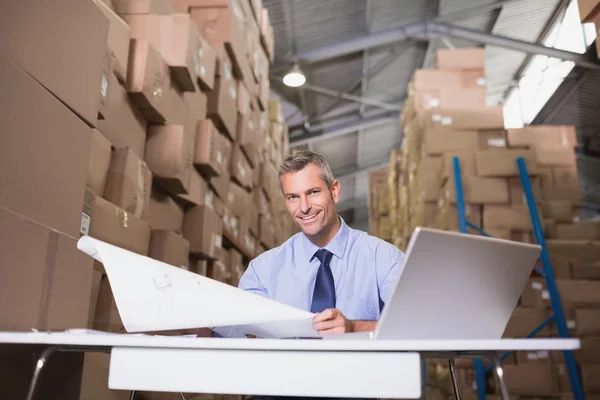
{"x":331,"y":321}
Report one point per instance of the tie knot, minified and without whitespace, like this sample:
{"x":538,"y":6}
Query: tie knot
{"x":323,"y":255}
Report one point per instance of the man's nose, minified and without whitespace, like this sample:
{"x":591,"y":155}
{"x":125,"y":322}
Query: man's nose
{"x":304,"y":205}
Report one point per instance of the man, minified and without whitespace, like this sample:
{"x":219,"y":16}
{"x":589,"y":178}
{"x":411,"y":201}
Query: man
{"x":343,"y":275}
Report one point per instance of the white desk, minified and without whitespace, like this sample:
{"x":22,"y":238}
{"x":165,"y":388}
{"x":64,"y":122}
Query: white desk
{"x":302,"y":367}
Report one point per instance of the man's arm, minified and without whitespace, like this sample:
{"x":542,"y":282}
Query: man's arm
{"x":363,"y":326}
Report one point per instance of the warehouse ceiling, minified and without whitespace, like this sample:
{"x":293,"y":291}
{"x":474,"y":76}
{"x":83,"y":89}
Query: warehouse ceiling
{"x":359,"y":55}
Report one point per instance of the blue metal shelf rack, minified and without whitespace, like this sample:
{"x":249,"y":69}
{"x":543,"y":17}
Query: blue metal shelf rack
{"x":558,"y":314}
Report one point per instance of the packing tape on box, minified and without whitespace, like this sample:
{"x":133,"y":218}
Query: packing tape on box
{"x":49,"y":266}
{"x":122,"y":217}
{"x":141,"y":189}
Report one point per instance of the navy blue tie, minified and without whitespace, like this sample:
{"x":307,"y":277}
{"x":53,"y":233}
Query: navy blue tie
{"x":324,"y":294}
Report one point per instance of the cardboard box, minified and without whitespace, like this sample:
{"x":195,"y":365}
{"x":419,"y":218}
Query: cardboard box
{"x":218,"y":268}
{"x":220,"y":184}
{"x":587,"y":322}
{"x":212,"y":151}
{"x":514,"y":218}
{"x":503,"y":163}
{"x":232,"y":227}
{"x":169,"y":247}
{"x":45,"y":158}
{"x":475,"y":118}
{"x":588,"y":10}
{"x":118,"y":41}
{"x":236,"y":266}
{"x":96,"y":278}
{"x":447,"y":217}
{"x":559,"y":211}
{"x":94,"y":379}
{"x":222,"y":100}
{"x":262,"y":202}
{"x":205,"y":65}
{"x":440,"y":141}
{"x":240,"y":168}
{"x":543,"y":136}
{"x":451,"y":97}
{"x":466,"y":160}
{"x":524,"y":320}
{"x":574,"y":251}
{"x":107,"y":315}
{"x":39,"y":30}
{"x":202,"y":227}
{"x":492,"y":139}
{"x":238,"y":201}
{"x":589,"y":353}
{"x":555,"y":193}
{"x":116,"y":226}
{"x":533,"y":357}
{"x":129,"y":182}
{"x":584,"y":230}
{"x":566,"y":178}
{"x":424,"y":80}
{"x":253,"y":219}
{"x":579,"y":293}
{"x":170,"y":154}
{"x":249,"y":137}
{"x":589,"y":271}
{"x":123,"y":124}
{"x":546,"y":176}
{"x":44,"y":275}
{"x":266,"y":35}
{"x":478,"y":190}
{"x":100,"y":156}
{"x":164,"y":212}
{"x":551,"y":157}
{"x":198,"y":266}
{"x":460,"y":59}
{"x":267,"y":232}
{"x":531,"y":380}
{"x":517,"y":195}
{"x":127,"y":7}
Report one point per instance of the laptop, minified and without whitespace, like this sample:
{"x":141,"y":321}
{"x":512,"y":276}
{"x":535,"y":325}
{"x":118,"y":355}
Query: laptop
{"x":451,"y":286}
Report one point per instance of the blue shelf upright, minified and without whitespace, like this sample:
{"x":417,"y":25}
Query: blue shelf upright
{"x":558,"y":315}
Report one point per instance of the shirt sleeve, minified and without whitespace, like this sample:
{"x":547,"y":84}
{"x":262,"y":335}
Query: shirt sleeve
{"x":388,"y":265}
{"x":250,"y":281}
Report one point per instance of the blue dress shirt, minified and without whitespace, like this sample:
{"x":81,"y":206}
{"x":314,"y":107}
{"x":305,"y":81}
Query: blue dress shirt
{"x":365,"y":269}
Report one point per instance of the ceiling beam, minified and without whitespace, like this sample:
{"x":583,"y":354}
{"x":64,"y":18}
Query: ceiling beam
{"x":351,"y":97}
{"x":348,"y":127}
{"x":419,"y":30}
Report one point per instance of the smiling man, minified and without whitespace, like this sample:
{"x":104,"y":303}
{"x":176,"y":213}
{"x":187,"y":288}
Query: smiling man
{"x":343,"y":275}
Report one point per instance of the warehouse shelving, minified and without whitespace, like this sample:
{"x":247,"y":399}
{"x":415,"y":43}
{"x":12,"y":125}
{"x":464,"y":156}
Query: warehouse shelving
{"x":558,"y":315}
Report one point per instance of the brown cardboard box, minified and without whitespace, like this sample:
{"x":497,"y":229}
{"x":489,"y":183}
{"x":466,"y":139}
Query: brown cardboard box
{"x":559,"y":211}
{"x":550,"y":157}
{"x":45,"y":158}
{"x":170,"y":154}
{"x":447,"y":217}
{"x":579,"y":293}
{"x":460,"y":59}
{"x":466,"y":160}
{"x":126,"y":7}
{"x":129,"y":182}
{"x":123,"y":124}
{"x":202,"y":227}
{"x":107,"y":315}
{"x":39,"y":30}
{"x":212,"y":151}
{"x":588,"y":10}
{"x":574,"y":251}
{"x":546,"y":177}
{"x":532,"y":293}
{"x":586,"y":271}
{"x":198,"y":266}
{"x":149,"y":84}
{"x":450,"y":97}
{"x":218,"y":268}
{"x":220,"y":184}
{"x":45,"y":281}
{"x":505,"y":234}
{"x":169,"y":247}
{"x":236,"y":266}
{"x":205,"y":65}
{"x":440,"y":141}
{"x":506,"y":217}
{"x":100,"y":156}
{"x":263,"y":91}
{"x":433,"y":79}
{"x":531,"y":380}
{"x":262,"y":202}
{"x":249,"y":137}
{"x":492,"y":139}
{"x":116,"y":226}
{"x":543,"y":136}
{"x":96,"y":278}
{"x":524,"y":320}
{"x":267,"y":232}
{"x":94,"y":380}
{"x":478,"y":190}
{"x":232,"y":227}
{"x":555,"y":193}
{"x":243,"y":99}
{"x":253,"y":219}
{"x":517,"y":195}
{"x":533,"y":357}
{"x":503,"y":163}
{"x":589,"y":378}
{"x":238,"y":201}
{"x":566,"y":178}
{"x":587,"y":322}
{"x":583,"y":230}
{"x":240,"y":168}
{"x":475,"y":118}
{"x":118,"y":41}
{"x":201,"y":195}
{"x":589,"y":353}
{"x":164,"y":212}
{"x":248,"y":242}
{"x":222,"y":100}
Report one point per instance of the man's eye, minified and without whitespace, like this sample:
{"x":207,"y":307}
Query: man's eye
{"x":291,"y":197}
{"x":314,"y":192}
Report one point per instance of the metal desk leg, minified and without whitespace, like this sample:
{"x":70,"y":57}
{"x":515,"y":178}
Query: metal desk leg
{"x":500,"y":375}
{"x":132,"y":395}
{"x":454,"y":380}
{"x":41,"y":363}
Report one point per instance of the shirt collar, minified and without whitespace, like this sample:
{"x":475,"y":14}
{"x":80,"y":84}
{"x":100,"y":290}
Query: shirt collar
{"x":337,"y":245}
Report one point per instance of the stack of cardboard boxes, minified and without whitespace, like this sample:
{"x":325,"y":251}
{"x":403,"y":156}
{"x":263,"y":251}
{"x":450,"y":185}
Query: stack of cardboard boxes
{"x":445,"y":117}
{"x":147,"y":125}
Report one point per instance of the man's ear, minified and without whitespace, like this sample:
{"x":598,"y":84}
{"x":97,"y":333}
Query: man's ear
{"x":335,"y":191}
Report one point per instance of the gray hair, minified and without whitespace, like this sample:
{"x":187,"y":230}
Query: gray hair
{"x":300,"y":159}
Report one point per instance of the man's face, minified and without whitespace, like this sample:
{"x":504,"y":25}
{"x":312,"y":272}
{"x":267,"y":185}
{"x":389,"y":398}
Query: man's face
{"x":308,"y":199}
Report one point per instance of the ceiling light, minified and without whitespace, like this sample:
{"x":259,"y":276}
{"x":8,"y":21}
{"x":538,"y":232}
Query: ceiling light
{"x":294,"y":78}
